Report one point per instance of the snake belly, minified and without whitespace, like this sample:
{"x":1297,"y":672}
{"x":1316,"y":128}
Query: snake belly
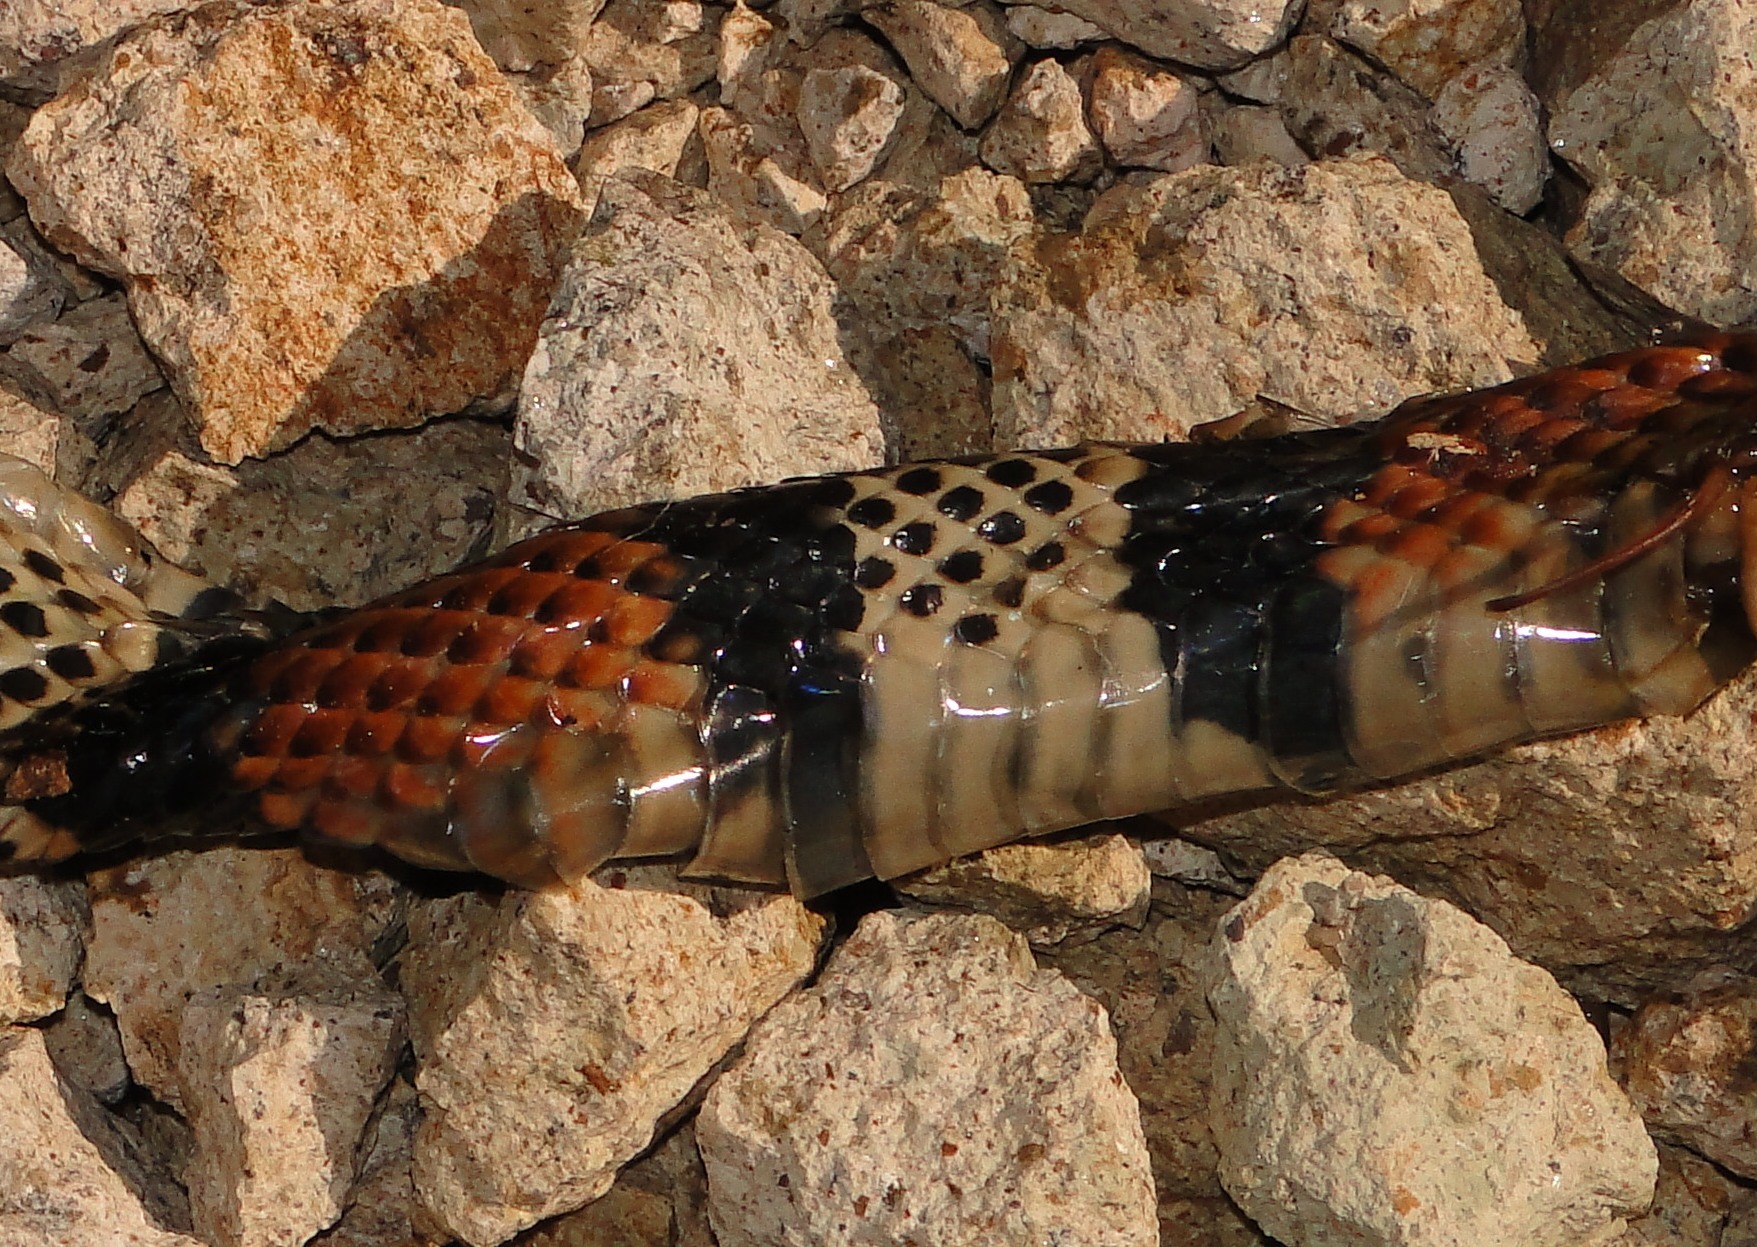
{"x":831,"y":679}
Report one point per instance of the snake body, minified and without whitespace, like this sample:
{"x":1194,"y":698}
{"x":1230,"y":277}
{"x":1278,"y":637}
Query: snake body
{"x":861,"y":675}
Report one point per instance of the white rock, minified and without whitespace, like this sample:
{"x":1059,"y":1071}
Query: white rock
{"x":1387,"y":1073}
{"x":1491,"y":118}
{"x":57,"y":1188}
{"x":848,"y":116}
{"x":38,"y":36}
{"x":28,"y":293}
{"x":1242,"y":133}
{"x":746,"y":37}
{"x":40,"y":945}
{"x":1049,"y":28}
{"x":1041,"y":134}
{"x":959,"y":56}
{"x":933,"y":1087}
{"x":1208,"y":34}
{"x":645,"y":50}
{"x":278,"y":1090}
{"x":553,"y":1030}
{"x":1663,"y":135}
{"x":1145,"y":116}
{"x":652,"y":139}
{"x":687,"y":353}
{"x":89,"y":363}
{"x":1428,"y":42}
{"x":752,"y":183}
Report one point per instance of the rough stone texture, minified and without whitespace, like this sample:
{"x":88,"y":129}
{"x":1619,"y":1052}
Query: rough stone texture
{"x":1685,"y":1061}
{"x":38,"y":36}
{"x":1144,"y":116}
{"x":962,"y":57}
{"x":1191,"y":864}
{"x":1337,"y":290}
{"x":848,"y":116}
{"x":750,"y":181}
{"x":1694,"y":1205}
{"x":934,"y":1086}
{"x":1041,"y":134}
{"x":1336,"y":104}
{"x":87,"y":1049}
{"x":1208,"y":34}
{"x":653,"y":138}
{"x":639,"y":51}
{"x":87,"y":364}
{"x":40,"y":947}
{"x":31,"y":432}
{"x":57,"y":1152}
{"x":174,"y":166}
{"x":621,"y":1217}
{"x":554,"y":1030}
{"x":327,"y":523}
{"x":704,"y":351}
{"x":383,"y":1210}
{"x":1426,"y":42}
{"x":1242,"y":133}
{"x":167,"y":927}
{"x":1663,"y":133}
{"x":1386,"y":1072}
{"x":29,"y":293}
{"x":1620,"y":859}
{"x":674,"y":1170}
{"x":1491,"y":118}
{"x":1048,"y":892}
{"x":278,"y":1089}
{"x":1049,"y":28}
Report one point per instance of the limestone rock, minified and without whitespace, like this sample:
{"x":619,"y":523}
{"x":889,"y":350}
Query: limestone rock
{"x":1207,"y":34}
{"x":278,"y":1089}
{"x":87,"y":364}
{"x":383,"y":1210}
{"x":1048,"y":891}
{"x":1336,"y":104}
{"x":1242,"y":133}
{"x":87,"y":1049}
{"x":168,"y":927}
{"x":56,"y":1183}
{"x":1359,"y":1023}
{"x":1050,"y":28}
{"x":38,"y":36}
{"x":1041,"y":134}
{"x":1145,"y":116}
{"x":173,"y":166}
{"x":1338,"y":290}
{"x":1694,"y":1205}
{"x":639,"y":51}
{"x":1491,"y":117}
{"x":28,"y":293}
{"x":32,"y":432}
{"x":934,"y":1085}
{"x":961,"y":57}
{"x":849,"y":116}
{"x":1428,"y":42}
{"x":40,"y":946}
{"x":703,"y":350}
{"x":653,"y":138}
{"x":1662,"y":135}
{"x":553,"y":1030}
{"x":754,"y":186}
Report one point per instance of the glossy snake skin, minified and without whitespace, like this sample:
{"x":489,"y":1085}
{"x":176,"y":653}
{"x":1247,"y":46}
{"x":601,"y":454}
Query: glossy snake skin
{"x":831,"y":679}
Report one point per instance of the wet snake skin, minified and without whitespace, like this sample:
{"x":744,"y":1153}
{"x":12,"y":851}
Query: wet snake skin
{"x":837,"y":678}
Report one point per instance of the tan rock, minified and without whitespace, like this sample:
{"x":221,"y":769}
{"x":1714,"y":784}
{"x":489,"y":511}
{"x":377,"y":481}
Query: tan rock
{"x":1145,"y":116}
{"x":1041,"y":134}
{"x":383,"y":1211}
{"x":279,"y":1089}
{"x":89,"y":363}
{"x":29,"y":432}
{"x":28,"y":293}
{"x":1336,"y":104}
{"x":87,"y":1049}
{"x":1206,"y":34}
{"x":1426,"y":43}
{"x":1491,"y":118}
{"x":934,"y":1085}
{"x":522,"y":37}
{"x":172,"y":166}
{"x":848,"y":116}
{"x":1661,"y":135}
{"x":705,"y":351}
{"x":55,"y":1145}
{"x":1337,"y":290}
{"x":639,"y":51}
{"x":1242,"y":133}
{"x":168,"y":927}
{"x":40,"y":927}
{"x":1694,"y":1205}
{"x":753,"y":184}
{"x":653,"y":139}
{"x":1050,"y":28}
{"x":38,"y":36}
{"x":553,"y":1030}
{"x":747,"y":41}
{"x":1263,"y":81}
{"x":1357,"y":1020}
{"x":962,"y":57}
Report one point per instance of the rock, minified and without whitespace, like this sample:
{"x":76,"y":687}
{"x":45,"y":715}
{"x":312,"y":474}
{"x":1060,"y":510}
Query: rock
{"x":1337,"y":290}
{"x":30,"y":432}
{"x":1041,"y":135}
{"x":621,"y":1217}
{"x":553,"y":1030}
{"x":933,"y":1085}
{"x":673,"y":1170}
{"x":1491,"y":117}
{"x":1263,"y":81}
{"x":167,"y":927}
{"x":326,"y":523}
{"x":40,"y":946}
{"x":538,"y":47}
{"x":1358,"y":1020}
{"x":1191,"y":864}
{"x":1685,"y":1062}
{"x":1242,"y":133}
{"x":1144,"y":116}
{"x":37,"y":37}
{"x":1205,"y":34}
{"x":751,"y":184}
{"x":1048,"y":892}
{"x":1426,"y":43}
{"x":639,"y":51}
{"x":89,"y":363}
{"x":962,"y":57}
{"x":704,"y":350}
{"x":1694,"y":1205}
{"x":28,"y":293}
{"x":747,"y":41}
{"x":1336,"y":104}
{"x":383,"y":1208}
{"x":1659,"y":134}
{"x":278,"y":1089}
{"x":653,"y":138}
{"x":56,"y":1148}
{"x":168,"y":166}
{"x":1049,"y":28}
{"x":87,"y":1049}
{"x":848,"y":116}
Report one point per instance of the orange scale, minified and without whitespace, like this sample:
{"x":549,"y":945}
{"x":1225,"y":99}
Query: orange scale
{"x":252,"y":773}
{"x":427,"y":739}
{"x":1419,"y":496}
{"x":374,"y":733}
{"x":542,"y":655}
{"x":1540,"y":441}
{"x":347,"y":682}
{"x":635,"y":620}
{"x":1379,"y":589}
{"x":577,"y":603}
{"x":413,"y":787}
{"x":398,"y":685}
{"x":1390,"y":479}
{"x":1502,"y":526}
{"x":520,"y":597}
{"x":272,"y":732}
{"x":353,"y":777}
{"x":1590,"y":443}
{"x":433,"y":632}
{"x":300,"y":679}
{"x":509,"y":700}
{"x":486,"y":641}
{"x":472,"y":590}
{"x":663,"y":684}
{"x":296,"y":773}
{"x":623,"y":557}
{"x":558,"y":551}
{"x":597,"y":666}
{"x":378,"y":632}
{"x":1668,"y":368}
{"x":1456,"y":509}
{"x":1372,"y":528}
{"x":1339,"y":516}
{"x":1344,"y":565}
{"x":322,"y":733}
{"x":346,"y":821}
{"x":1420,"y":544}
{"x":578,"y":710}
{"x":286,"y":810}
{"x":454,"y":690}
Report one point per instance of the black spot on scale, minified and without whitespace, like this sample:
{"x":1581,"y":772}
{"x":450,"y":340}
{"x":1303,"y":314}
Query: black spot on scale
{"x":70,"y":662}
{"x":1049,"y":555}
{"x":962,"y":503}
{"x":1010,"y":592}
{"x":1002,"y":528}
{"x":7,"y":580}
{"x":976,"y":629}
{"x":77,"y":602}
{"x":25,"y":618}
{"x":44,"y":566}
{"x":916,"y":538}
{"x":874,"y":572}
{"x":963,"y":567}
{"x":24,"y":684}
{"x":919,"y":482}
{"x":1012,"y":473}
{"x":834,"y":492}
{"x":588,"y":568}
{"x":922,"y":600}
{"x":1050,"y":498}
{"x":873,"y":513}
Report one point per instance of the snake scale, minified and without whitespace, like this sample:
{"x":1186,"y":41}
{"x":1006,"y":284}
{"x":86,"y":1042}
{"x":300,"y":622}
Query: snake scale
{"x":831,"y":679}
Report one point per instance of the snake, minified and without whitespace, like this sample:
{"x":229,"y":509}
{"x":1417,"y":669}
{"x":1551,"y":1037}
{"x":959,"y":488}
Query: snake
{"x":813,"y":683}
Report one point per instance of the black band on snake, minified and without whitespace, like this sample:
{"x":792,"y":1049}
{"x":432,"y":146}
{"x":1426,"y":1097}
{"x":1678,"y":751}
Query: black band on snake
{"x":852,"y":676}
